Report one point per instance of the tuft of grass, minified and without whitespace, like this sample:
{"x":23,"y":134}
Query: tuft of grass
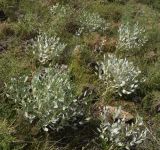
{"x":6,"y":137}
{"x":12,"y":64}
{"x":81,"y":74}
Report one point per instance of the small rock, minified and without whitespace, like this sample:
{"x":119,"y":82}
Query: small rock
{"x":123,"y":114}
{"x":97,"y":110}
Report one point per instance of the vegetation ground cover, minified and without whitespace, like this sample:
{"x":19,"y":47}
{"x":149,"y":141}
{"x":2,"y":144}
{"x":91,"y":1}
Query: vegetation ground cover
{"x":79,"y":75}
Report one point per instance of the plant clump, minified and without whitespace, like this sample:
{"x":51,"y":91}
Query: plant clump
{"x":91,"y":22}
{"x":60,"y":11}
{"x":47,"y":48}
{"x":119,"y":134}
{"x":119,"y":75}
{"x":131,"y":36}
{"x":60,"y":15}
{"x":49,"y":98}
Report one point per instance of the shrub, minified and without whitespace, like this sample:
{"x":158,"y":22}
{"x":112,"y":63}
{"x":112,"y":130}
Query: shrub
{"x":91,"y":22}
{"x":131,"y":36}
{"x":48,"y":98}
{"x":61,"y":15}
{"x":120,"y":134}
{"x":60,"y":11}
{"x":47,"y":48}
{"x":119,"y":75}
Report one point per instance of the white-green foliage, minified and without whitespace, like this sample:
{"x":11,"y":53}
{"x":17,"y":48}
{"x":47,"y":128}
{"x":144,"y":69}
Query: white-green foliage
{"x":120,"y":134}
{"x":60,"y":10}
{"x":119,"y":75}
{"x":90,"y":22}
{"x":60,"y":13}
{"x":131,"y":36}
{"x":48,"y":97}
{"x":47,"y":48}
{"x":60,"y":16}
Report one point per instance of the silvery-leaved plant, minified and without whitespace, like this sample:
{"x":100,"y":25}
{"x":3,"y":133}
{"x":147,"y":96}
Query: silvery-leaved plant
{"x":119,"y":75}
{"x":118,"y":133}
{"x":60,"y":11}
{"x":131,"y":36}
{"x":91,"y":22}
{"x":47,"y":48}
{"x":48,"y":97}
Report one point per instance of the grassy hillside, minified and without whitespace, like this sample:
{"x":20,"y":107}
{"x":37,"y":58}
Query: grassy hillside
{"x":79,"y":74}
